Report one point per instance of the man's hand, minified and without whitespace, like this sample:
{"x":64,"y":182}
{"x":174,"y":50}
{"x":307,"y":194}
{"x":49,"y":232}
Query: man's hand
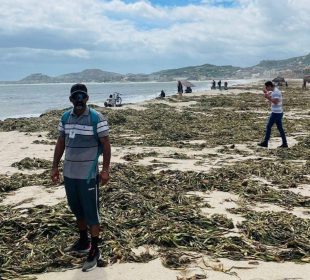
{"x":104,"y":177}
{"x":55,"y":175}
{"x":266,"y":94}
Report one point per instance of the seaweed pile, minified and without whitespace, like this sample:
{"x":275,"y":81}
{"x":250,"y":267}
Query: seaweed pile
{"x":19,"y":180}
{"x":32,"y":163}
{"x":141,"y":208}
{"x":283,"y":232}
{"x":239,"y":179}
{"x":136,"y":157}
{"x":134,"y":210}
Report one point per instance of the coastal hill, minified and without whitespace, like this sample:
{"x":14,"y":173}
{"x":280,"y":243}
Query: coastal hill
{"x":289,"y":68}
{"x":88,"y":75}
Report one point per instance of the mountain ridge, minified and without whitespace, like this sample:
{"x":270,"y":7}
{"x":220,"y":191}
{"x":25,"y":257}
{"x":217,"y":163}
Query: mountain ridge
{"x":294,"y":67}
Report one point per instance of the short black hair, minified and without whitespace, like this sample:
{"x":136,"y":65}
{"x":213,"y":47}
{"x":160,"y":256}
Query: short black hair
{"x":269,"y":84}
{"x":78,"y":88}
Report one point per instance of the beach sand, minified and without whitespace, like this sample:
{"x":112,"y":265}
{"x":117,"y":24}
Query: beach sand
{"x":17,"y":145}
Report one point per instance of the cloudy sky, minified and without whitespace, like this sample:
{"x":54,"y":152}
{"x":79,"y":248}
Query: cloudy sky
{"x":133,"y":36}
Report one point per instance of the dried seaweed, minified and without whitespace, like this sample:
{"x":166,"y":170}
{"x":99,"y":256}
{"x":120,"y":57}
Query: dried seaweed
{"x":19,"y":180}
{"x":32,"y":163}
{"x":288,"y":235}
{"x":136,"y":157}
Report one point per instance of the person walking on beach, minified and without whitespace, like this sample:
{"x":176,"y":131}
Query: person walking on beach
{"x":274,"y":96}
{"x":220,"y":84}
{"x":213,"y":85}
{"x":180,"y":88}
{"x":83,"y":133}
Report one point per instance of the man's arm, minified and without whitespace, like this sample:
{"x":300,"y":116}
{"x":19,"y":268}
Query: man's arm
{"x":59,"y":150}
{"x":104,"y":174}
{"x":272,"y":100}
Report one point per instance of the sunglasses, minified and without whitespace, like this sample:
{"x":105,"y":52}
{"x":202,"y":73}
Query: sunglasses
{"x":79,"y":95}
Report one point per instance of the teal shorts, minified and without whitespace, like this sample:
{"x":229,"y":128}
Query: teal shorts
{"x":83,"y":199}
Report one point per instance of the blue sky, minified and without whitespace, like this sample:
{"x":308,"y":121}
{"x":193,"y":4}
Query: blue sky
{"x":125,"y":36}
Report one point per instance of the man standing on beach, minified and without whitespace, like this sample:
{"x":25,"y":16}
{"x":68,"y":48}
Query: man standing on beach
{"x":180,"y":88}
{"x":83,"y":133}
{"x":274,"y":96}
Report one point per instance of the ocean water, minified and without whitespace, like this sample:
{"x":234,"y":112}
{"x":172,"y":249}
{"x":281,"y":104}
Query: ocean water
{"x":27,"y":100}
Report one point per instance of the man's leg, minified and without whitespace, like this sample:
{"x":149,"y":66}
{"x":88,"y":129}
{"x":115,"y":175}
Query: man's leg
{"x":82,"y":226}
{"x":94,"y":233}
{"x":82,"y":245}
{"x":90,"y":200}
{"x":269,"y":125}
{"x":94,"y":215}
{"x":280,"y":128}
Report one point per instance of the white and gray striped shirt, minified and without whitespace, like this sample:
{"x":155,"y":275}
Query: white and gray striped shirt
{"x":276,"y":94}
{"x":81,"y":146}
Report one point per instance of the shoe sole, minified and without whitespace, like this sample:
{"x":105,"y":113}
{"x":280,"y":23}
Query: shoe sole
{"x":82,"y":251}
{"x":89,"y":269}
{"x":93,"y":267}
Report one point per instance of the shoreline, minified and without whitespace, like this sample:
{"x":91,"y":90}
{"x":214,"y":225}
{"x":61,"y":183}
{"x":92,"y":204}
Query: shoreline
{"x":177,"y":156}
{"x":101,"y":103}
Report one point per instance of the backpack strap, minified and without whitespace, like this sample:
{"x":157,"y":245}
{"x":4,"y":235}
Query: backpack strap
{"x":65,"y":117}
{"x":94,"y":120}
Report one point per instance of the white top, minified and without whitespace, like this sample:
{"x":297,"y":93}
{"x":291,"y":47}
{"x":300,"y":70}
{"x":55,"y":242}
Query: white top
{"x":276,"y":94}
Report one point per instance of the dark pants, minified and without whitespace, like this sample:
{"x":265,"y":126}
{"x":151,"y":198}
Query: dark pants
{"x":83,"y":199}
{"x":275,"y":118}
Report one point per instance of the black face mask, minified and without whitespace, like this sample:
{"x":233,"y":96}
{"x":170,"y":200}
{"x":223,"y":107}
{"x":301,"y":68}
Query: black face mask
{"x":79,"y":100}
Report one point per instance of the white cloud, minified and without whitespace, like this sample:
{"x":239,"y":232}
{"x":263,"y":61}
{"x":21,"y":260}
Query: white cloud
{"x":28,"y":53}
{"x":149,"y":37}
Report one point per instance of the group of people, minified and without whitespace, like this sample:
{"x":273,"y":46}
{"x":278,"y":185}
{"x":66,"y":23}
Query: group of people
{"x":188,"y":89}
{"x":219,"y":83}
{"x":83,"y":137}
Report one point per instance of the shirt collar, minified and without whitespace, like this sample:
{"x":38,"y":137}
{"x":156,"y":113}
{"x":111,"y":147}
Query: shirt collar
{"x":86,"y":112}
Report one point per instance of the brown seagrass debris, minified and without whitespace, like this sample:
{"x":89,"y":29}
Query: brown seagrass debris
{"x":32,"y":163}
{"x":137,"y":208}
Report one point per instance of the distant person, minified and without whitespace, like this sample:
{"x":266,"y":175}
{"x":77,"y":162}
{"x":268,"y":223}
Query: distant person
{"x":109,"y":102}
{"x":226,"y":86}
{"x":162,"y":94}
{"x":82,"y":133}
{"x":180,"y":88}
{"x":188,"y":90}
{"x":274,"y":96}
{"x":213,"y":85}
{"x":286,"y":84}
{"x":219,"y":84}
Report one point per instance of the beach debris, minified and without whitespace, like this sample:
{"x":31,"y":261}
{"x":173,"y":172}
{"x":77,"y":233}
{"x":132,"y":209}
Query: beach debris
{"x":19,"y":180}
{"x":44,"y":142}
{"x":141,"y":208}
{"x":32,"y":163}
{"x":138,"y":156}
